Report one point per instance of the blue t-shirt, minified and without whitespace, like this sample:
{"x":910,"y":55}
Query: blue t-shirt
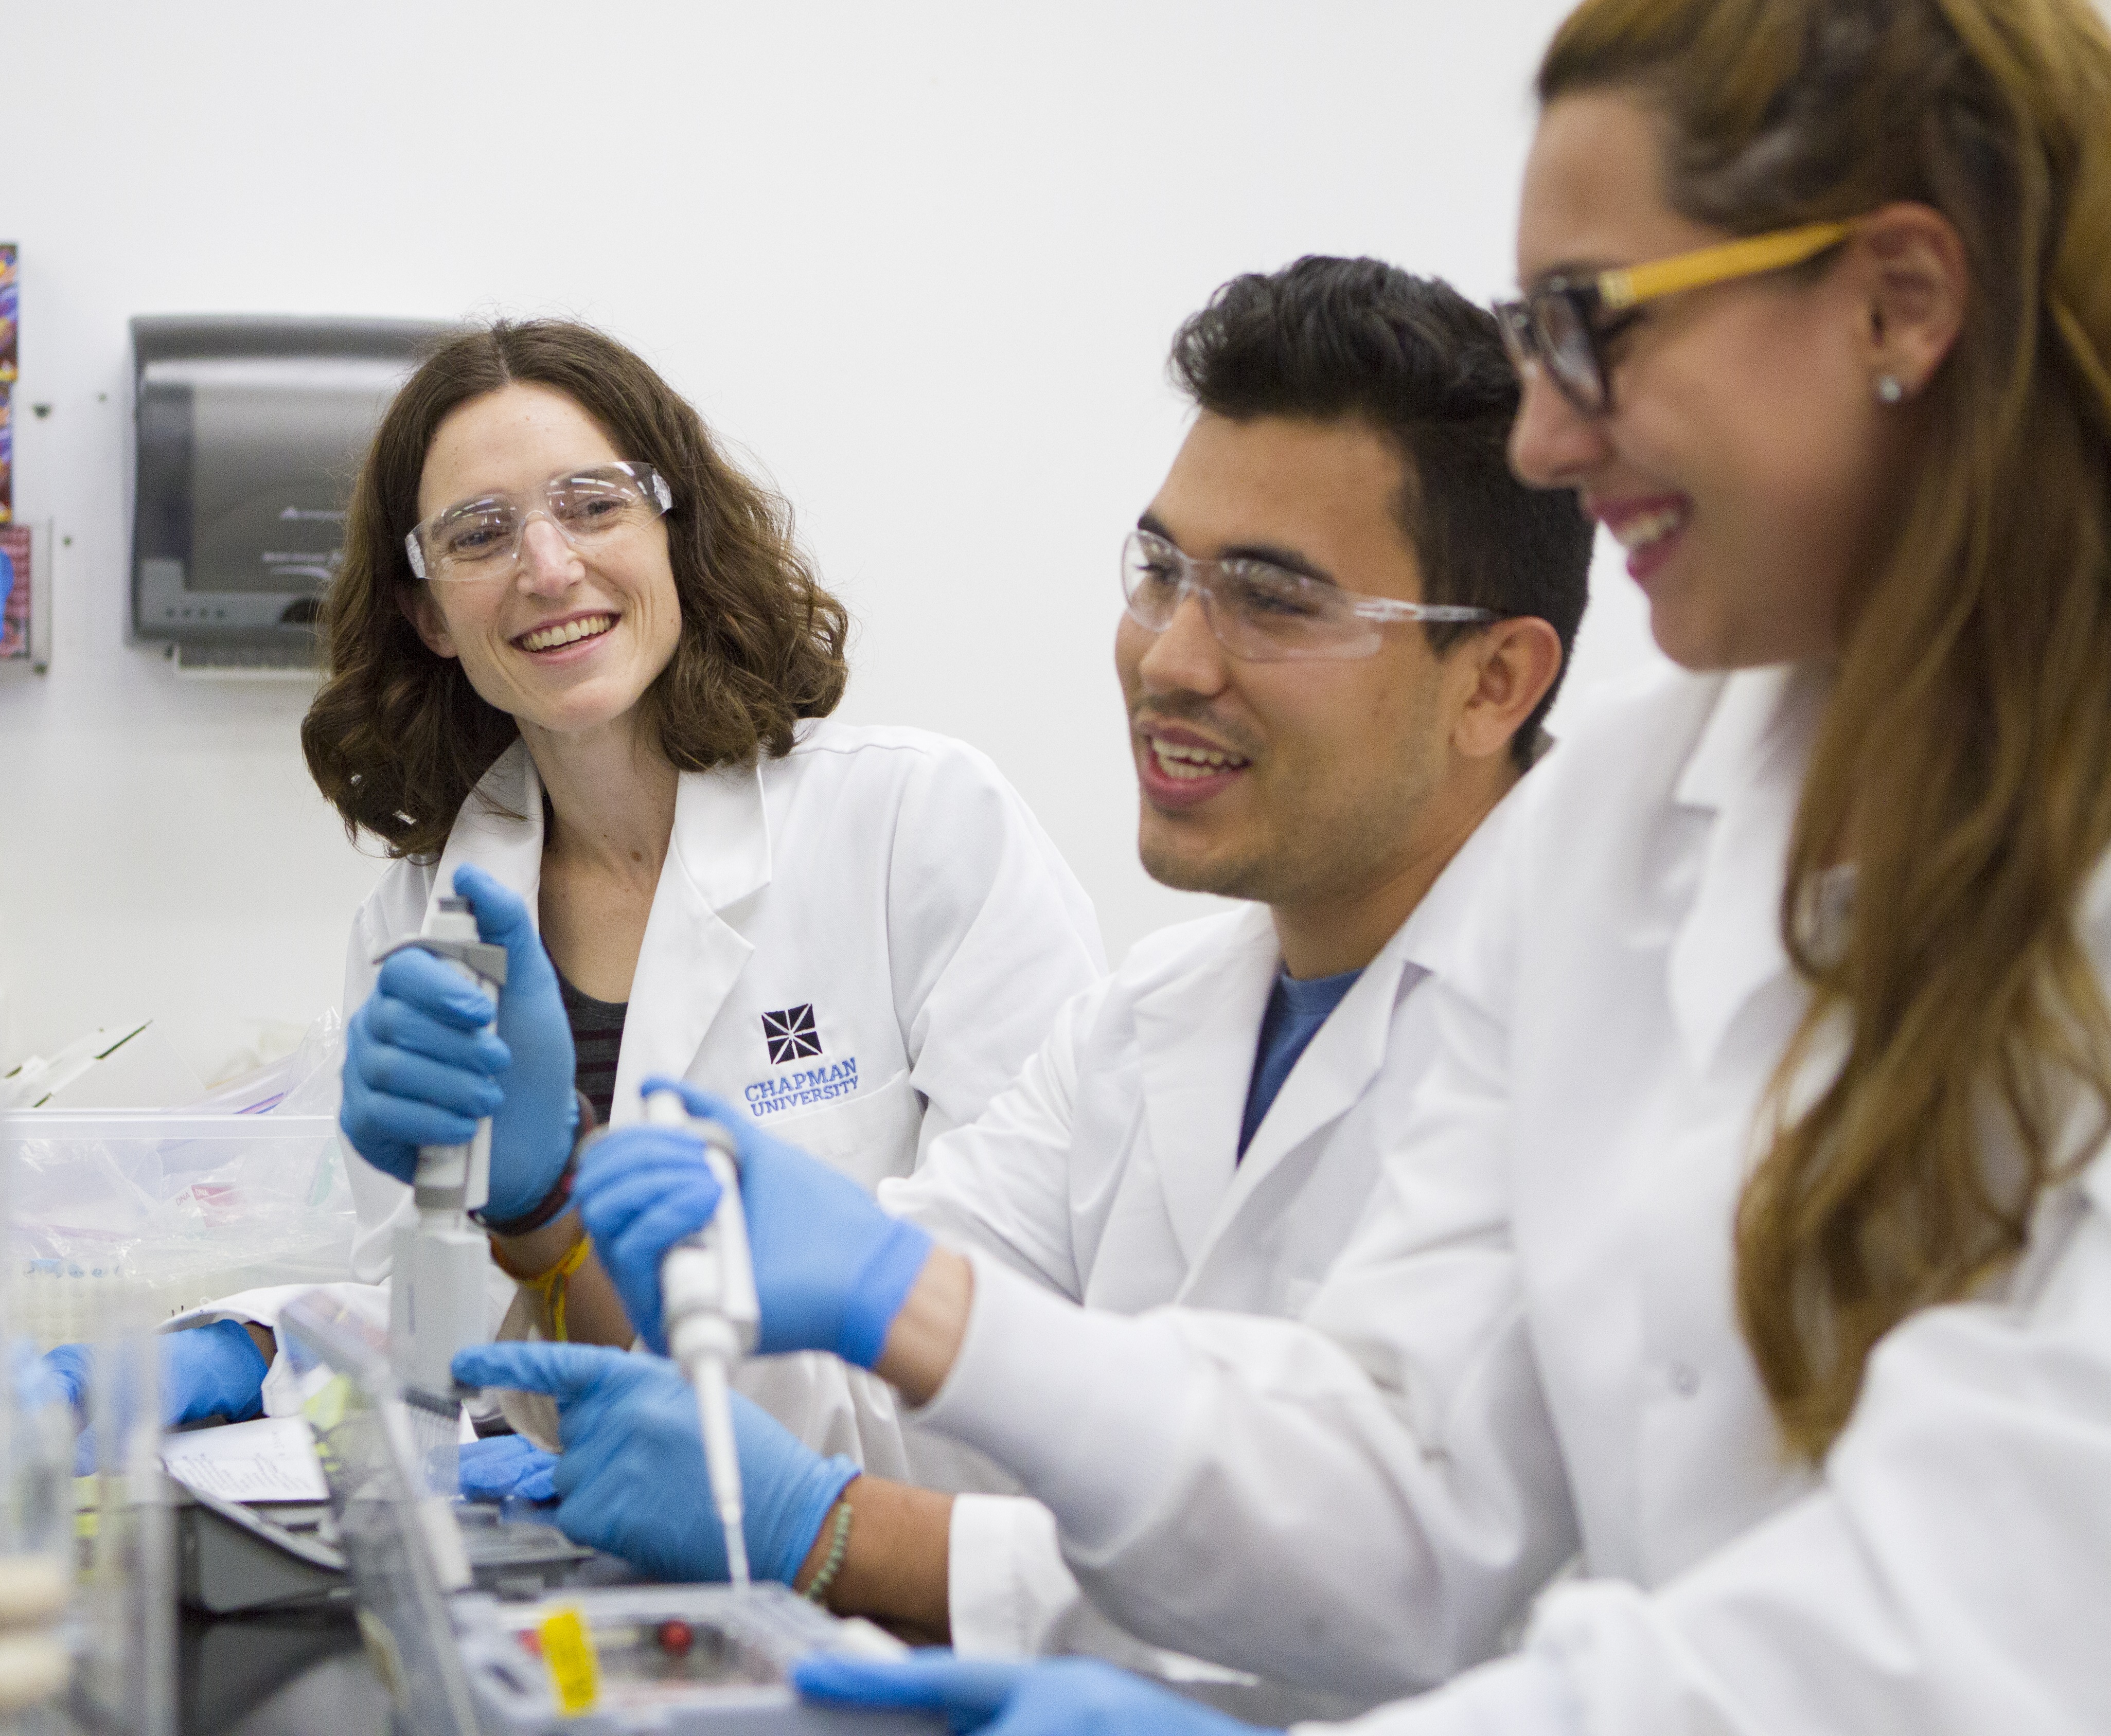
{"x":1296,"y":1011}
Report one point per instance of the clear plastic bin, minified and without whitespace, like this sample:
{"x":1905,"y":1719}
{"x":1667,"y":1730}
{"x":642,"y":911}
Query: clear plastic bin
{"x":173,"y":1210}
{"x":84,"y":1514}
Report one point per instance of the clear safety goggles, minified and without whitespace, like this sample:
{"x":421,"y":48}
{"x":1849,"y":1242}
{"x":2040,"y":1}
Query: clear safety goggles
{"x":1263,"y":613}
{"x":590,"y":508}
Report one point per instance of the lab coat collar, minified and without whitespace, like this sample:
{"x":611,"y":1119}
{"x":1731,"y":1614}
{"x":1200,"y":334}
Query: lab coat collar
{"x":1745,"y":773}
{"x":1195,"y":1035}
{"x":1336,"y":1068}
{"x":721,"y":843}
{"x":1718,"y":769}
{"x":1349,"y":1050}
{"x":722,"y":834}
{"x":1431,"y":937}
{"x":718,"y":857}
{"x":499,"y":830}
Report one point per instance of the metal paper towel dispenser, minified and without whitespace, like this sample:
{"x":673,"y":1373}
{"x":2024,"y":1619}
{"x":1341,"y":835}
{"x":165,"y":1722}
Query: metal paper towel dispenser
{"x":249,"y":432}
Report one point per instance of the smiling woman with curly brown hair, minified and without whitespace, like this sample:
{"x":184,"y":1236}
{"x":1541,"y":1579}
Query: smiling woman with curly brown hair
{"x":579,"y":674}
{"x":402,"y":730}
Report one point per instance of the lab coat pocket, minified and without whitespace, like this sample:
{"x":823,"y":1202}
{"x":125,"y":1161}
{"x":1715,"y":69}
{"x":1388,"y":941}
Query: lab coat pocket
{"x":869,"y":1138}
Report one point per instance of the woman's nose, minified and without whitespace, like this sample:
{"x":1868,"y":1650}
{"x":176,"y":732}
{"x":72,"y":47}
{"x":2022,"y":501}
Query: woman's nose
{"x":547,"y":561}
{"x":1552,"y":442}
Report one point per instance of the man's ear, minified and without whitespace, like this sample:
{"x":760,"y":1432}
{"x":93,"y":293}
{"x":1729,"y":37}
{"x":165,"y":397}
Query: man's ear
{"x":1506,"y":671}
{"x":424,"y":614}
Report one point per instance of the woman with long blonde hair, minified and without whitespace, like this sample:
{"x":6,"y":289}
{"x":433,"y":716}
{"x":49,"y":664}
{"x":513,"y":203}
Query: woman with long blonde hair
{"x":1751,"y":1244}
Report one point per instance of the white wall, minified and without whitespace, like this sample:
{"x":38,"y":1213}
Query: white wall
{"x":922,"y":259}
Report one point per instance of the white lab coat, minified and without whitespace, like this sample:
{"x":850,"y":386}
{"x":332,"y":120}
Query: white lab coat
{"x":1108,"y":1174}
{"x":859,"y":943}
{"x":1530,"y":1346}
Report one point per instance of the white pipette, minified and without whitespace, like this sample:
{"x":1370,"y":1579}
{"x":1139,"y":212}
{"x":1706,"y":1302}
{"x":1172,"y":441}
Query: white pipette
{"x":435,"y":1291}
{"x":708,"y":1303}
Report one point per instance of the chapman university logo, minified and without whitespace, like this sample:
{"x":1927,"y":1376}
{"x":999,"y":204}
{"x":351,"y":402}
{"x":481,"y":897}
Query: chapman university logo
{"x":792,"y":1036}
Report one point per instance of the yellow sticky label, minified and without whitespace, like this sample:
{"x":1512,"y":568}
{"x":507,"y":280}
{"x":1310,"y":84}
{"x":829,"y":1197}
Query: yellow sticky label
{"x":568,"y":1649}
{"x":327,"y":1406}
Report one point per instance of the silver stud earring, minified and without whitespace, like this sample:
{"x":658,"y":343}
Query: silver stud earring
{"x":1889,"y":390}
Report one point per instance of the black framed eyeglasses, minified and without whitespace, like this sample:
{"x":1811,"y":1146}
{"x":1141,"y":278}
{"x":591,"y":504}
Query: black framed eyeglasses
{"x":1562,"y":324}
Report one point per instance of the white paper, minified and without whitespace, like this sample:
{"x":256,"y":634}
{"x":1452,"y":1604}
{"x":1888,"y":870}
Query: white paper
{"x":270,"y":1459}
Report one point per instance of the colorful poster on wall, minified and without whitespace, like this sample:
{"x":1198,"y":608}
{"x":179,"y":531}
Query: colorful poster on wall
{"x":10,"y":303}
{"x":14,"y":538}
{"x":7,"y":304}
{"x":15,"y":609}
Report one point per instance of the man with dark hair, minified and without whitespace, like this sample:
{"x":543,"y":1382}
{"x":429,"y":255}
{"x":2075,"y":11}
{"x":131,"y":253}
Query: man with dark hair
{"x":1345,"y":621}
{"x":1332,"y":340}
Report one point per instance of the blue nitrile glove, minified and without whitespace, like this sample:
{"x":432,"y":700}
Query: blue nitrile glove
{"x":1057,"y":1697}
{"x":418,"y":1069}
{"x":205,"y":1372}
{"x":209,"y":1370}
{"x":506,"y":1466}
{"x":632,"y":1479}
{"x":37,"y":1383}
{"x":831,"y":1269}
{"x":639,"y":1191}
{"x":66,"y":1370}
{"x":212,"y":1370}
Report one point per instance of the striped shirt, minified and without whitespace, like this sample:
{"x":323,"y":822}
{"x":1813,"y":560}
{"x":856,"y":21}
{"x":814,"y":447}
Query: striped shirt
{"x":596,"y":1036}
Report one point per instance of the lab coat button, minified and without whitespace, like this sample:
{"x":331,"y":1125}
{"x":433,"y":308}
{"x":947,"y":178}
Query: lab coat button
{"x":1685,"y":1379}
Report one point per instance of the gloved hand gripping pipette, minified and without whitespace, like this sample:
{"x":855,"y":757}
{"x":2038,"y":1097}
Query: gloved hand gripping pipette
{"x":711,"y":1314}
{"x":436,"y":1303}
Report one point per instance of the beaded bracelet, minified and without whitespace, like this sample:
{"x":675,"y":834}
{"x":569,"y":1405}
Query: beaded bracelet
{"x":839,"y":1545}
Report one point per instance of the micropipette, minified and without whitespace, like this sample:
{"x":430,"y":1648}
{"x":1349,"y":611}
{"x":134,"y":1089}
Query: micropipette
{"x":711,"y":1314}
{"x":435,"y":1291}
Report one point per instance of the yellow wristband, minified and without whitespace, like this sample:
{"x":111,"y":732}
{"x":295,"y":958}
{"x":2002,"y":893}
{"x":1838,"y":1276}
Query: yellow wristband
{"x":551,"y":1286}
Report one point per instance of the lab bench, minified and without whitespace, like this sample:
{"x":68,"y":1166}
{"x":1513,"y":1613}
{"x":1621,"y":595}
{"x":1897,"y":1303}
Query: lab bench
{"x":301,"y":1674}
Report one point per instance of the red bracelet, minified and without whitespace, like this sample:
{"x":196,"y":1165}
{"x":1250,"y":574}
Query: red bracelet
{"x":552,"y":1205}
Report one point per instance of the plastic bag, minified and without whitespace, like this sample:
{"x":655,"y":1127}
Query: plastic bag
{"x":185,"y":1206}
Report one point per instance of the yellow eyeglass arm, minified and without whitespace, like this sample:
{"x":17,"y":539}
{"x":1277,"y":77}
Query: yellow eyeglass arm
{"x":1718,"y":264}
